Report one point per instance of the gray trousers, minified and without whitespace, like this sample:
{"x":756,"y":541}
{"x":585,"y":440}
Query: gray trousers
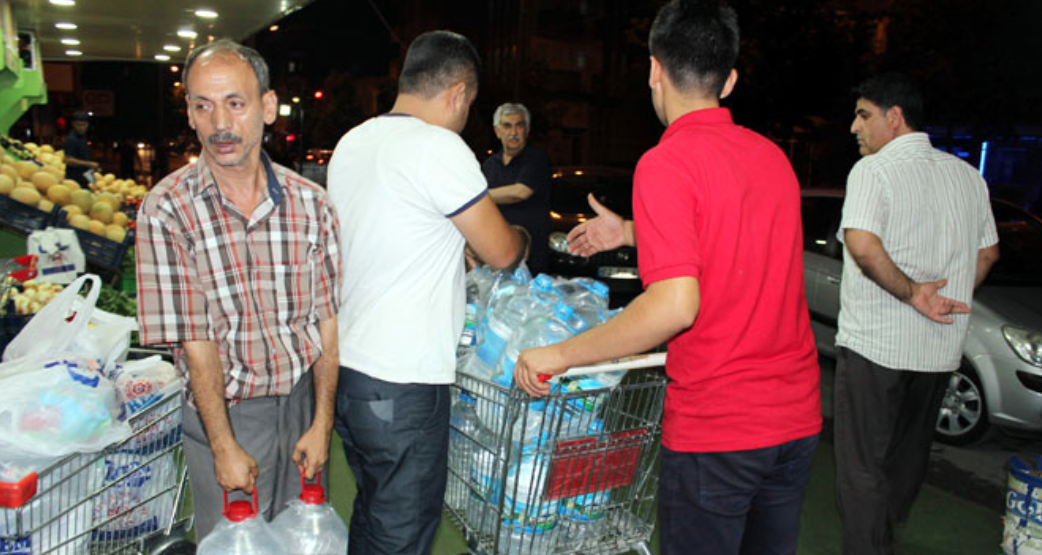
{"x":268,"y":429}
{"x":884,"y":425}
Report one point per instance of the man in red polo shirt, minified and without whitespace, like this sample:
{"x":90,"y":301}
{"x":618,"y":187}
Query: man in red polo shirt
{"x":717,"y":226}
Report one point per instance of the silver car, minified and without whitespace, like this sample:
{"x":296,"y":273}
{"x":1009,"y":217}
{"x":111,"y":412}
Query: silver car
{"x":1000,"y":380}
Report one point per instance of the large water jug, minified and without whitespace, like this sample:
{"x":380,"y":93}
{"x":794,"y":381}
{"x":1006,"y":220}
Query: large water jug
{"x":529,"y":520}
{"x":505,"y":316}
{"x":241,"y":532}
{"x":462,"y":437}
{"x":539,"y":331}
{"x":309,"y":525}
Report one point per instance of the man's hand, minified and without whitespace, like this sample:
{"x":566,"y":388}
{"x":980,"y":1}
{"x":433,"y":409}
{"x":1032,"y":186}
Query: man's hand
{"x":605,"y":232}
{"x":235,"y":469}
{"x":927,"y":300}
{"x":532,"y":362}
{"x":311,"y":452}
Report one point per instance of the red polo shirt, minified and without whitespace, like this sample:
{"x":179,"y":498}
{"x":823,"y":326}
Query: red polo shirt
{"x":721,"y":203}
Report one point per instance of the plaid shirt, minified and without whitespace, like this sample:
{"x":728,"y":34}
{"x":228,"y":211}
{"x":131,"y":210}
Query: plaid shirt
{"x":257,"y":286}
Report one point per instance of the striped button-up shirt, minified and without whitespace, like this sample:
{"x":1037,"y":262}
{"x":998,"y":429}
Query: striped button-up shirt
{"x":932,"y":213}
{"x":257,"y":285}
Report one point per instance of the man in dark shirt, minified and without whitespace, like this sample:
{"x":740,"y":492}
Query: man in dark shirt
{"x":519,"y":180}
{"x":77,"y":150}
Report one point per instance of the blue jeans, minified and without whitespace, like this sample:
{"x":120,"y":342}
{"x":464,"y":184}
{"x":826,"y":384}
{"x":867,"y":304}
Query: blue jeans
{"x":736,"y":502}
{"x":396,"y":438}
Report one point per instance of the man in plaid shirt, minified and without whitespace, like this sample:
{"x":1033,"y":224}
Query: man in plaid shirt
{"x":238,"y":271}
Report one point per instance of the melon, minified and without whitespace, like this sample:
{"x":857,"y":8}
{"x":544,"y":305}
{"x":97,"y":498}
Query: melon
{"x":47,"y":148}
{"x":72,"y":185}
{"x":44,"y":181}
{"x":83,"y":198}
{"x":57,"y":172}
{"x":45,"y":205}
{"x":26,"y":169}
{"x":26,"y":195}
{"x":59,"y":194}
{"x":112,"y":200}
{"x":6,"y":184}
{"x":120,"y":219}
{"x":96,"y":227}
{"x":115,"y":233}
{"x":10,"y":171}
{"x":102,"y":212}
{"x":72,"y":210}
{"x":80,"y":221}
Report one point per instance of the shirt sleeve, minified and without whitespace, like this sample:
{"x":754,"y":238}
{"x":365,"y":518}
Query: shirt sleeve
{"x":989,"y":234}
{"x":327,"y":282}
{"x":866,"y":203}
{"x":452,"y":177}
{"x":666,"y":220}
{"x":172,"y":307}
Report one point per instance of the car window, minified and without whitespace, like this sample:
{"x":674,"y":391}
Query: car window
{"x":1020,"y":242}
{"x":820,"y":220}
{"x":568,"y":193}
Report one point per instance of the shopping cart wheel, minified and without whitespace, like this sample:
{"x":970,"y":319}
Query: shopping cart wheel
{"x":174,"y":547}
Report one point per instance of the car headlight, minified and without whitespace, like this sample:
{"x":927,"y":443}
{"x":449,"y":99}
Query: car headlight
{"x":1025,"y":342}
{"x":559,"y":242}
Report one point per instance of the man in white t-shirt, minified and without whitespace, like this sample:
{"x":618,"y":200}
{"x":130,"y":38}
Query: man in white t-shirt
{"x":409,"y":194}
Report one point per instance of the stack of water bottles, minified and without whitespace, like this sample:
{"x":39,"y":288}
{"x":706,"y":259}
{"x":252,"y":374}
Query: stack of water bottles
{"x":507,"y":313}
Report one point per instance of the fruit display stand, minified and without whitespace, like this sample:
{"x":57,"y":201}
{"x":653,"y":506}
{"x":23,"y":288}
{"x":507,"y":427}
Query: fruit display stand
{"x":104,"y":256}
{"x":23,"y":219}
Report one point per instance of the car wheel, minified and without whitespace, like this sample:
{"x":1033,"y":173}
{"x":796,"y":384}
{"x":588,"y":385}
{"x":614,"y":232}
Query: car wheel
{"x":963,"y":418}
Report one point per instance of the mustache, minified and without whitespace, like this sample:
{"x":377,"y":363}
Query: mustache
{"x":225,"y":137}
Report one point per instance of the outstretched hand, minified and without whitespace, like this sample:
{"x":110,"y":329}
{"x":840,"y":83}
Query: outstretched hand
{"x":605,"y":232}
{"x":926,"y":299}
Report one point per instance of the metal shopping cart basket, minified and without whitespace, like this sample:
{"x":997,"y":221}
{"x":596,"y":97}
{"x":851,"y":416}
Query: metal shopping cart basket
{"x":573,"y":472}
{"x":127,"y":499}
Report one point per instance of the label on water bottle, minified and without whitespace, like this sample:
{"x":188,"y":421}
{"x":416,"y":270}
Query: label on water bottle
{"x":491,"y":348}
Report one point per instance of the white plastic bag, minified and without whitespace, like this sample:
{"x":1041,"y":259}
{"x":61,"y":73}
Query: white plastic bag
{"x":57,"y":405}
{"x":71,"y":324}
{"x":59,"y":258}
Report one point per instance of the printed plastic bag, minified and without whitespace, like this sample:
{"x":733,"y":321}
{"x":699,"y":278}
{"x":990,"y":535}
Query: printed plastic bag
{"x":1022,"y":534}
{"x":59,"y":256}
{"x":71,"y":324}
{"x":57,"y":405}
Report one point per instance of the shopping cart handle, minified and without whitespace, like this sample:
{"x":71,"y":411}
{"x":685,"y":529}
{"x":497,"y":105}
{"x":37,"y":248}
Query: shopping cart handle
{"x":635,"y":362}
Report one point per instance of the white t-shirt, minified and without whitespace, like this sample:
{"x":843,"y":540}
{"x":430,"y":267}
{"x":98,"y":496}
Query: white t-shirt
{"x":932,"y":213}
{"x":395,"y":181}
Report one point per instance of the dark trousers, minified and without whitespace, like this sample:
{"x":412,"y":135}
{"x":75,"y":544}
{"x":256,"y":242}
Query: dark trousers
{"x":733,"y":503}
{"x":267,"y":428}
{"x":884,"y":425}
{"x":396,"y":438}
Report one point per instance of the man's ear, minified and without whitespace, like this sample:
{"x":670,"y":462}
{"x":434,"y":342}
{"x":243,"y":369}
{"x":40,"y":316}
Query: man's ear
{"x":271,"y":106}
{"x":895,"y":117}
{"x":729,"y":84}
{"x":655,"y":74}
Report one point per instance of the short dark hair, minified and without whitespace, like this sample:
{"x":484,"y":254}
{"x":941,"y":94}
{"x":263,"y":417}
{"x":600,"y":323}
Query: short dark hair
{"x":890,"y":89}
{"x":696,"y":41}
{"x":79,"y":116}
{"x":437,"y":60}
{"x":245,"y":53}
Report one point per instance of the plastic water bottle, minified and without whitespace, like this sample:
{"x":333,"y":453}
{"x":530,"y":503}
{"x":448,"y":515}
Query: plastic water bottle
{"x":485,"y":479}
{"x":462,"y":435}
{"x":540,"y":331}
{"x":309,"y":525}
{"x":529,"y":521}
{"x":505,"y":315}
{"x":582,"y":518}
{"x":241,"y":532}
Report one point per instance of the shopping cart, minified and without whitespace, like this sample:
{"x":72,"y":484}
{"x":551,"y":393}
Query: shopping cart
{"x":127,"y":499}
{"x":573,"y":472}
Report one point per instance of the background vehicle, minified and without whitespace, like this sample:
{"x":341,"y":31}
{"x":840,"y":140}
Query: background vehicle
{"x":1000,"y":380}
{"x":569,"y":207}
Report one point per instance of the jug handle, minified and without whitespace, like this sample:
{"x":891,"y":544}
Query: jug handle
{"x":303,"y":480}
{"x":254,"y":506}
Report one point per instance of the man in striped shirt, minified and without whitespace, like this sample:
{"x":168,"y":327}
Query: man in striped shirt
{"x":238,"y":271}
{"x":916,"y":222}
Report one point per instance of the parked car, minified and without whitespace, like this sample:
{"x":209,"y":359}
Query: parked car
{"x":569,"y":207}
{"x":1000,"y":380}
